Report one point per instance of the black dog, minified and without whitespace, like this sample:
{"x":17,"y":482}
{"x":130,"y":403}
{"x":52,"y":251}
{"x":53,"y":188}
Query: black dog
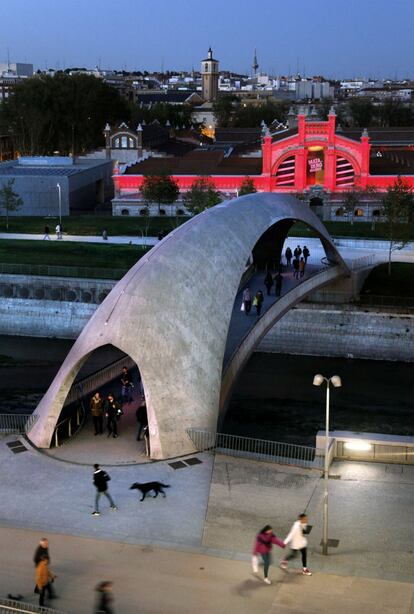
{"x":147,"y":486}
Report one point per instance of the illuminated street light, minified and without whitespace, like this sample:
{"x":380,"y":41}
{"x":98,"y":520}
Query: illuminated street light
{"x":336,"y":382}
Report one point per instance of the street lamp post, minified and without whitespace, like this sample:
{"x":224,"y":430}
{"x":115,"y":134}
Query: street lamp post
{"x":60,"y":203}
{"x":336,"y":383}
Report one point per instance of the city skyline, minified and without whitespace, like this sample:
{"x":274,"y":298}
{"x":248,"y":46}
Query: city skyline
{"x":313,"y":40}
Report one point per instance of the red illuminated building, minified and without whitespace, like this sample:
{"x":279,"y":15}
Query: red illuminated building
{"x":314,"y":157}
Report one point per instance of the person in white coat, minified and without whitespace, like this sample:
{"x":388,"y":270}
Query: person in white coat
{"x":298,"y":543}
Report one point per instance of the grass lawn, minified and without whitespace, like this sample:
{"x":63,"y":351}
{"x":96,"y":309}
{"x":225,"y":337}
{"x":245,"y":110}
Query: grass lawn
{"x":400,"y":283}
{"x":69,"y":254}
{"x":93,"y":225}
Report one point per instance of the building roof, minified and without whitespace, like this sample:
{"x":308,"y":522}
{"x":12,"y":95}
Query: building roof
{"x":284,"y":134}
{"x":198,"y":162}
{"x":168,"y":96}
{"x":398,"y":162}
{"x":382,"y":136}
{"x":237,"y":136}
{"x":13,"y":168}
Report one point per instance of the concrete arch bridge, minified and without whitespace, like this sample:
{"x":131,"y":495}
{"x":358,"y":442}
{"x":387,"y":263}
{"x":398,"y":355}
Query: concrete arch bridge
{"x":176,"y":313}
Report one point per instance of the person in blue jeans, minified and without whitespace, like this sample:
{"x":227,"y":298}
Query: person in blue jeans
{"x":263,"y":546}
{"x":101,"y":479}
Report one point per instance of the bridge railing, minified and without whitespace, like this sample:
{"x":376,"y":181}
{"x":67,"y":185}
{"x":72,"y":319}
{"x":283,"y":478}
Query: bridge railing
{"x":10,"y":605}
{"x":61,"y":271}
{"x":18,"y":424}
{"x":256,"y":449}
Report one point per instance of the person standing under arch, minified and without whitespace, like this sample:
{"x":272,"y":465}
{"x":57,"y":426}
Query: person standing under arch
{"x":288,"y":256}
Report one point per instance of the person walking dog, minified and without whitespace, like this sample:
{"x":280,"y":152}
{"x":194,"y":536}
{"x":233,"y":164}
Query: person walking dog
{"x":101,"y":479}
{"x":263,"y":546}
{"x":298,"y":543}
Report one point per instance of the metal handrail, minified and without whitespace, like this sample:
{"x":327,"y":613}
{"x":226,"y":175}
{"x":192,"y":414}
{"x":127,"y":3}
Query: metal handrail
{"x":205,"y":440}
{"x":17,"y":423}
{"x":84,"y":387}
{"x":61,"y":271}
{"x":11,"y":605}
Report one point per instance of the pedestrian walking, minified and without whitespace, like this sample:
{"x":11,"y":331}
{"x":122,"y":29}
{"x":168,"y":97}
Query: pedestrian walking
{"x":126,"y":386}
{"x":288,"y":256}
{"x":302,"y":266}
{"x":246,"y":301}
{"x":297,"y":252}
{"x":41,"y":551}
{"x":44,"y":578}
{"x":278,"y":283}
{"x":142,"y":418}
{"x":101,"y":479}
{"x":105,"y":234}
{"x":263,"y":546}
{"x":306,"y":254}
{"x":96,"y":406}
{"x":113,"y":411}
{"x":47,"y":234}
{"x":298,"y":543}
{"x":58,"y":230}
{"x":268,"y":282}
{"x":258,"y":302}
{"x":296,"y":268}
{"x":104,"y":598}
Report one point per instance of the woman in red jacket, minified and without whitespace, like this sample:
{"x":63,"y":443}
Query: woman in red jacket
{"x":263,"y":546}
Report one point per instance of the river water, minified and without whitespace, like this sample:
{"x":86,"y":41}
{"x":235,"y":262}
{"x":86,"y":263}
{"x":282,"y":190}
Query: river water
{"x":274,"y":399}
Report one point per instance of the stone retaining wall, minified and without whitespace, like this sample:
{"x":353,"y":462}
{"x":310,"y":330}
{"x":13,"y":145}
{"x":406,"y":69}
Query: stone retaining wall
{"x":346,"y":332}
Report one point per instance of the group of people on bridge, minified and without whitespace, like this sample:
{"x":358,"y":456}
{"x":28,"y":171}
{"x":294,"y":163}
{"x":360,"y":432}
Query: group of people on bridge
{"x":297,"y":260}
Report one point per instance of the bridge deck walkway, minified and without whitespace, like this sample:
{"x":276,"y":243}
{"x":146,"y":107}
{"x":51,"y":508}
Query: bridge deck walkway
{"x":241,"y":323}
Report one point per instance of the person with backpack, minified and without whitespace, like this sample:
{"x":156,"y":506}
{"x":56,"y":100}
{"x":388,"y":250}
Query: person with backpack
{"x":298,"y":543}
{"x":100,"y":480}
{"x":263,"y":546}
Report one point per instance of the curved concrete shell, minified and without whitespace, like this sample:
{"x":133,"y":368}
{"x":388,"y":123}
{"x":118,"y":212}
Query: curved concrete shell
{"x":171,"y":314}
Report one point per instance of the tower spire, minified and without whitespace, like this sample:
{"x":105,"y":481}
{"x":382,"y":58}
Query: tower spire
{"x":255,"y":64}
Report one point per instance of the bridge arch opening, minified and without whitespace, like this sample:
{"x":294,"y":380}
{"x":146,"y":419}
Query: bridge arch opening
{"x":104,"y":414}
{"x":272,"y":271}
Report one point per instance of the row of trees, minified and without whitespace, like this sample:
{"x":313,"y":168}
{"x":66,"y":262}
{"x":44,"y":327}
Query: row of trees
{"x":164,"y":190}
{"x":356,"y":112}
{"x":230,"y":112}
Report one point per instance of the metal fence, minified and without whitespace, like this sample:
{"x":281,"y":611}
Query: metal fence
{"x":16,"y":423}
{"x":61,"y":271}
{"x":10,"y":605}
{"x":256,"y":449}
{"x":94,"y":381}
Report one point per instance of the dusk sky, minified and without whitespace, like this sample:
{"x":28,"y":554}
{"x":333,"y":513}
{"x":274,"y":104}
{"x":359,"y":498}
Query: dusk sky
{"x":370,"y":38}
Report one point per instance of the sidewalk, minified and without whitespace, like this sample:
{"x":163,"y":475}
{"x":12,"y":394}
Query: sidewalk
{"x":153,"y":581}
{"x":120,"y":240}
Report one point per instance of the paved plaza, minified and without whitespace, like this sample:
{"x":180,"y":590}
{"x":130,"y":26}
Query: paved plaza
{"x":191,"y":550}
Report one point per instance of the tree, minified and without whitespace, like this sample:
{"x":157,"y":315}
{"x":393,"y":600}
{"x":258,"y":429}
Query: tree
{"x":202,"y":195}
{"x":62,"y":113}
{"x":352,"y":199}
{"x":9,"y":200}
{"x":161,"y":189}
{"x":247,"y":187}
{"x":362,"y":112}
{"x":223,"y":108}
{"x":398,"y":215}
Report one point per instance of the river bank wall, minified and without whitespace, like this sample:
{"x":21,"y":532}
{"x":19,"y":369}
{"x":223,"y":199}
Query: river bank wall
{"x":309,"y":329}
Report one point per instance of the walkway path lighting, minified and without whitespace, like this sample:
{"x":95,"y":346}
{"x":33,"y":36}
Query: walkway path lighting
{"x":336,"y":382}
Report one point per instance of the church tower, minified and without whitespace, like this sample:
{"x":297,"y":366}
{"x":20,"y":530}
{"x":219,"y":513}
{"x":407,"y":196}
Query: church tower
{"x":210,"y":77}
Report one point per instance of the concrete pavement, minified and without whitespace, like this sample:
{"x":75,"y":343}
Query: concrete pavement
{"x":149,"y":580}
{"x":121,"y":240}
